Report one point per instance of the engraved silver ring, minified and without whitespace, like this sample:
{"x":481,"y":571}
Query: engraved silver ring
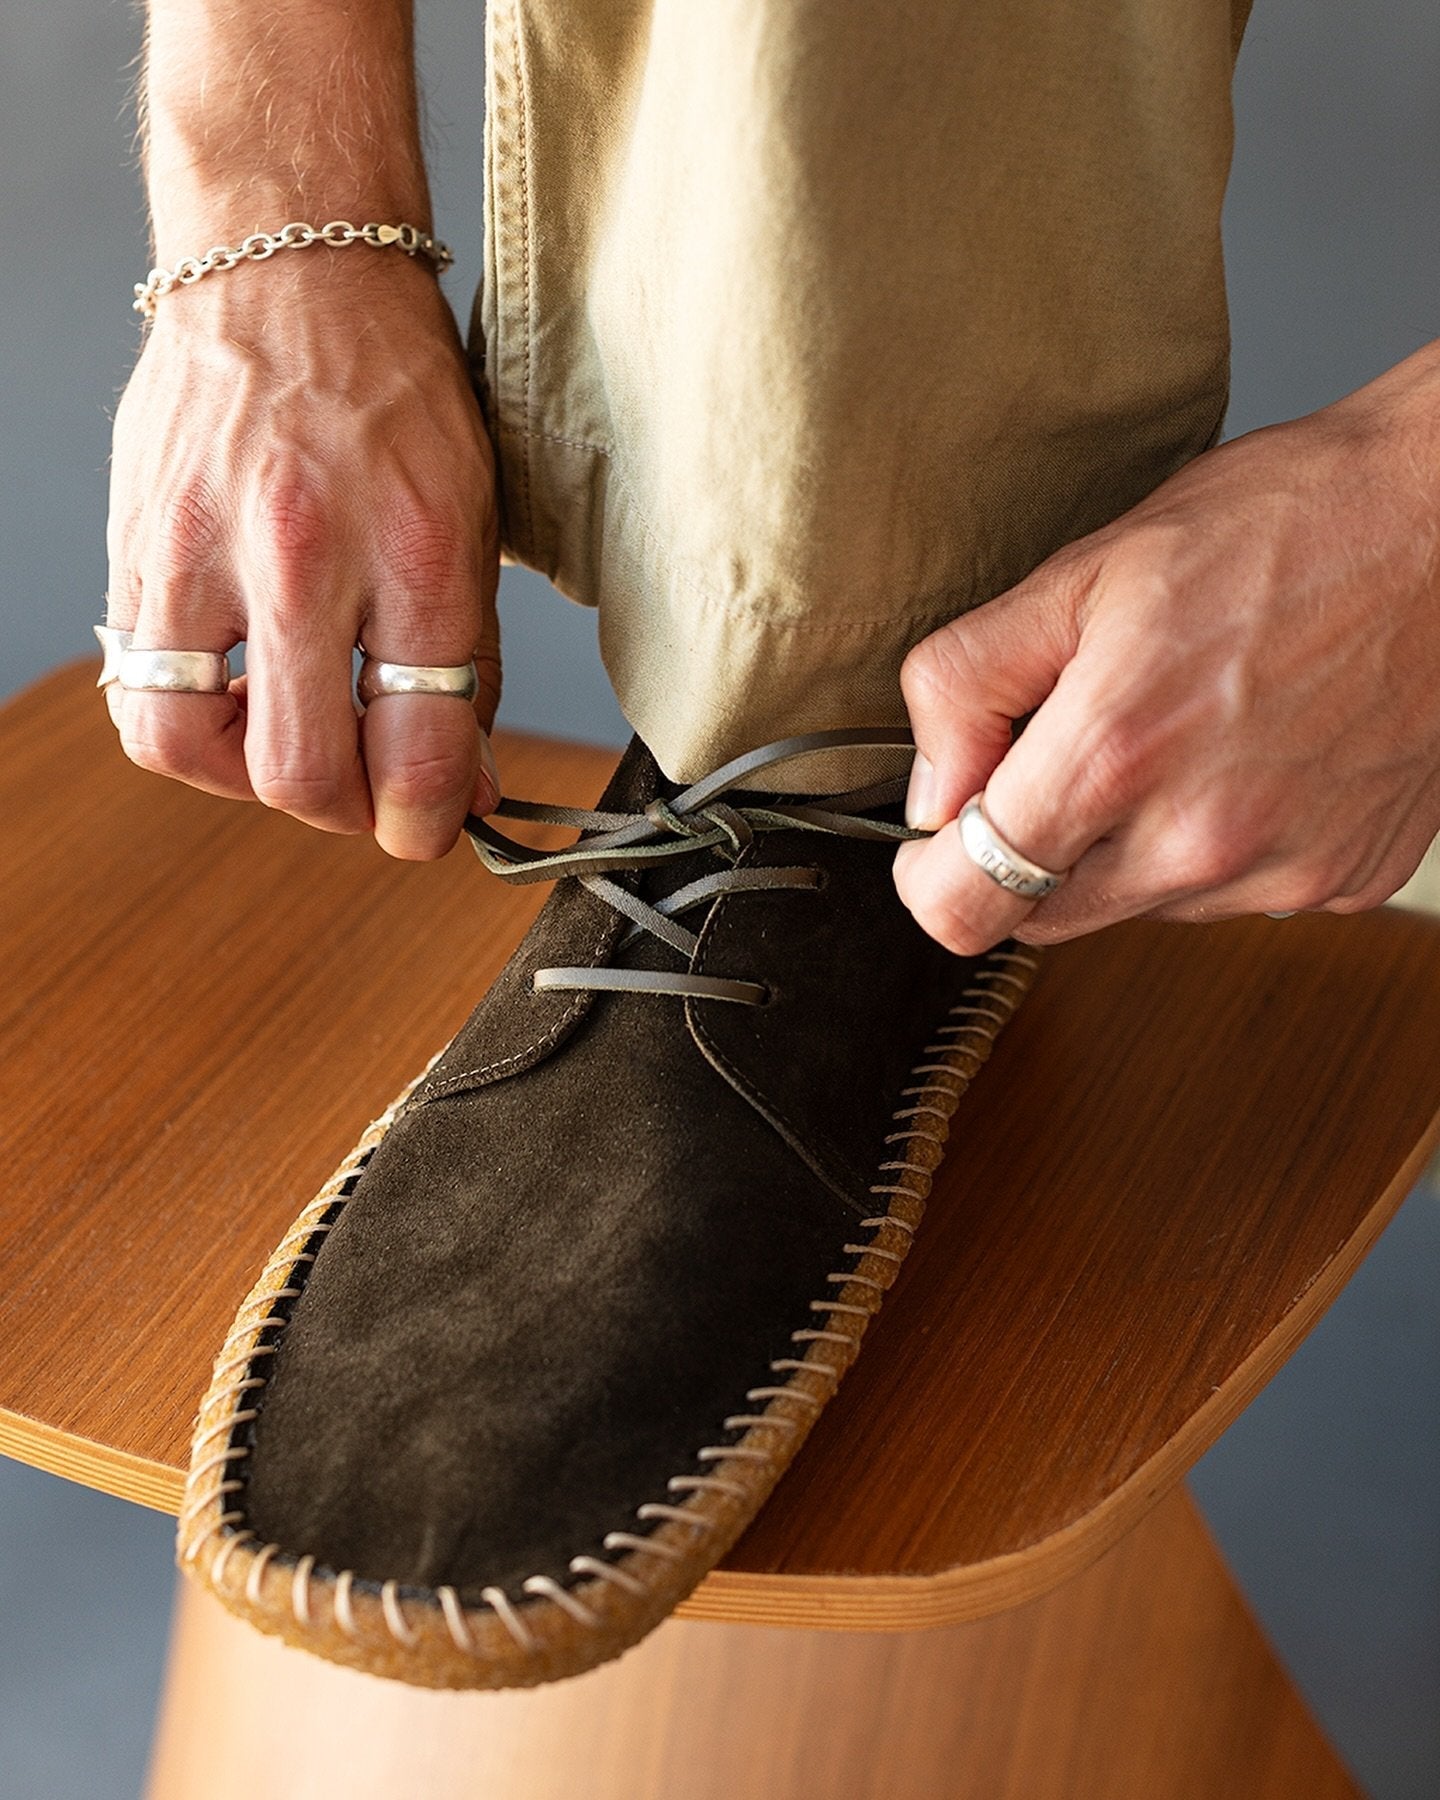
{"x":1002,"y":862}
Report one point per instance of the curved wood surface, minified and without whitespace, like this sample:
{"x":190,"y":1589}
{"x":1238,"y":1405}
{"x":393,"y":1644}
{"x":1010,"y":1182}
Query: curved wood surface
{"x":1092,"y":1692}
{"x":1184,"y":1143}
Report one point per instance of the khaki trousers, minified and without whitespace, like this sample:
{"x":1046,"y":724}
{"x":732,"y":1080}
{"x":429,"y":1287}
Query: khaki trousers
{"x":807,"y":325}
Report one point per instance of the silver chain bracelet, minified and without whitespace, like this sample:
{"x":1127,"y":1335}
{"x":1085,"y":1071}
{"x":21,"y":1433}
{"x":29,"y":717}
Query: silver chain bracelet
{"x":261,"y":244}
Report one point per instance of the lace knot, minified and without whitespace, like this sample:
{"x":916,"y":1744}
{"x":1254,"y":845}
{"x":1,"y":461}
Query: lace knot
{"x":663,"y":816}
{"x":697,"y":817}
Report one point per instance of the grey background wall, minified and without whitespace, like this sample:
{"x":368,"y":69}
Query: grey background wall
{"x":1324,"y":1493}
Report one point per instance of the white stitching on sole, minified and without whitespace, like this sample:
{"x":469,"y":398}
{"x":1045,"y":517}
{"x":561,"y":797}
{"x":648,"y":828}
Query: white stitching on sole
{"x":202,"y":1492}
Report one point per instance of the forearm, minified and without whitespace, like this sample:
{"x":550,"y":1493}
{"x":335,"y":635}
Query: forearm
{"x":255,"y":114}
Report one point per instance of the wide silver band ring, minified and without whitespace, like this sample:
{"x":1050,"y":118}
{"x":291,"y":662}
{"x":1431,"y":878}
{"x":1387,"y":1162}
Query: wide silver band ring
{"x":113,"y":642}
{"x":160,"y":671}
{"x":1002,"y":862}
{"x":454,"y":681}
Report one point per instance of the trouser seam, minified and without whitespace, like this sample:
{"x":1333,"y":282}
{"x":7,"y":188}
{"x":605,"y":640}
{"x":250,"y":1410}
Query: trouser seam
{"x":813,"y":619}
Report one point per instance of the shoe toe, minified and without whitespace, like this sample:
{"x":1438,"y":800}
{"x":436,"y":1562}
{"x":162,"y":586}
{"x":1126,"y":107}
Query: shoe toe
{"x":511,"y":1363}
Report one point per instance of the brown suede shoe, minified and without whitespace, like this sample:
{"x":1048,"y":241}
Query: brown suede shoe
{"x":535,"y":1356}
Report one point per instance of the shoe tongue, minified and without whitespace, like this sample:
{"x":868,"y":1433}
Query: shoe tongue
{"x":636,"y":782}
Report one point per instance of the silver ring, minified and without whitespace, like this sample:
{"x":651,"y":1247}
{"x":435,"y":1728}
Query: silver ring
{"x":455,"y":681}
{"x":173,"y":671}
{"x":113,"y":642}
{"x":1002,"y":862}
{"x":158,"y":671}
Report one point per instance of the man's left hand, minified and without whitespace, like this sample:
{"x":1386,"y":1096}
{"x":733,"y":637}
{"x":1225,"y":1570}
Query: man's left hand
{"x":1237,"y":684}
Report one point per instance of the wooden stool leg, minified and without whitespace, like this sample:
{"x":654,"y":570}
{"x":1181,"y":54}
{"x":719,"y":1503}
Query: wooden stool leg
{"x":1144,"y":1678}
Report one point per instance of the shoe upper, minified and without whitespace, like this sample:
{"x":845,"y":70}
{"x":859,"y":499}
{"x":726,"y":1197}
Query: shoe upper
{"x":595,"y":1224}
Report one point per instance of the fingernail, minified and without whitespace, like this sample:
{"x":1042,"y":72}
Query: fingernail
{"x":922,"y":797}
{"x":487,"y":796}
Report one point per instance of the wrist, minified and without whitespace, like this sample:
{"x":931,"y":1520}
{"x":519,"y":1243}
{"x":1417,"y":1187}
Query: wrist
{"x":256,"y":116}
{"x":191,"y":216}
{"x":1404,"y":402}
{"x":358,"y":280}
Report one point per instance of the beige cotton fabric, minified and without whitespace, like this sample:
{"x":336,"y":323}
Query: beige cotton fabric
{"x":807,"y":325}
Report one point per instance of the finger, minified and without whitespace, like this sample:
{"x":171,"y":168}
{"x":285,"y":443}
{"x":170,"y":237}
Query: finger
{"x":1049,"y":799}
{"x":427,"y":755}
{"x":194,"y":738}
{"x":302,"y":738}
{"x":1318,"y":877}
{"x":951,"y":898}
{"x":1198,"y":862}
{"x":965,"y":684}
{"x":427,"y":761}
{"x":1122,"y":876}
{"x":1195,"y":866}
{"x":486,"y":795}
{"x":122,"y":608}
{"x":487,"y":664}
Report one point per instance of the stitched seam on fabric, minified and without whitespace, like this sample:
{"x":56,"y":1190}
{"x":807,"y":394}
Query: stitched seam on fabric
{"x":547,"y":1038}
{"x":554,"y":437}
{"x":766,"y":1108}
{"x":749,"y":610}
{"x":540,"y":1045}
{"x":522,"y":129}
{"x":443,"y":1599}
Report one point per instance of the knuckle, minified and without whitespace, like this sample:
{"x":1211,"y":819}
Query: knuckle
{"x":187,"y":530}
{"x":957,"y":937}
{"x":935,"y":914}
{"x":292,"y":517}
{"x":161,"y":746}
{"x":143,"y":753}
{"x":1149,"y":562}
{"x":1227,"y":834}
{"x":936,"y":667}
{"x":1208,"y":856}
{"x":1374,"y":892}
{"x":1114,"y":762}
{"x":413,"y":846}
{"x":289,"y":787}
{"x":1309,"y":887}
{"x":425,"y":547}
{"x":423,"y":781}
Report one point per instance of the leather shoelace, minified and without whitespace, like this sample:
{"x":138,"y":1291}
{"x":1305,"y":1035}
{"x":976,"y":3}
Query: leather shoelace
{"x":698,"y":818}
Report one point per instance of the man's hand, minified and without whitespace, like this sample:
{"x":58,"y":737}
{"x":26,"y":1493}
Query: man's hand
{"x":299,"y":458}
{"x":1237,"y":684}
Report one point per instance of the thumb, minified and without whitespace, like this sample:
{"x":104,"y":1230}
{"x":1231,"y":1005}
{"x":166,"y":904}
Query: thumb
{"x":487,"y":793}
{"x":967,"y":683}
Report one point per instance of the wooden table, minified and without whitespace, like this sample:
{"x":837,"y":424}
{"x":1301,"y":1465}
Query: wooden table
{"x":1182,"y":1148}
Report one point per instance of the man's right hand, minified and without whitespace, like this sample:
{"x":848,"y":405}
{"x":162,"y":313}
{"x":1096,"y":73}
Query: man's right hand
{"x":300,"y":462}
{"x":299,"y":457}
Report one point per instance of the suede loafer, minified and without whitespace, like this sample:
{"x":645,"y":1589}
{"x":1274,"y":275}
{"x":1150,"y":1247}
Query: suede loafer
{"x":533,"y":1358}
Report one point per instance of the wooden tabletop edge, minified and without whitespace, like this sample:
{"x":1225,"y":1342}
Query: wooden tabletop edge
{"x":853,"y":1601}
{"x":93,"y":1465}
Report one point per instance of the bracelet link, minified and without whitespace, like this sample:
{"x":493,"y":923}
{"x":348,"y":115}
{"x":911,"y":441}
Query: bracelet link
{"x":262,"y":244}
